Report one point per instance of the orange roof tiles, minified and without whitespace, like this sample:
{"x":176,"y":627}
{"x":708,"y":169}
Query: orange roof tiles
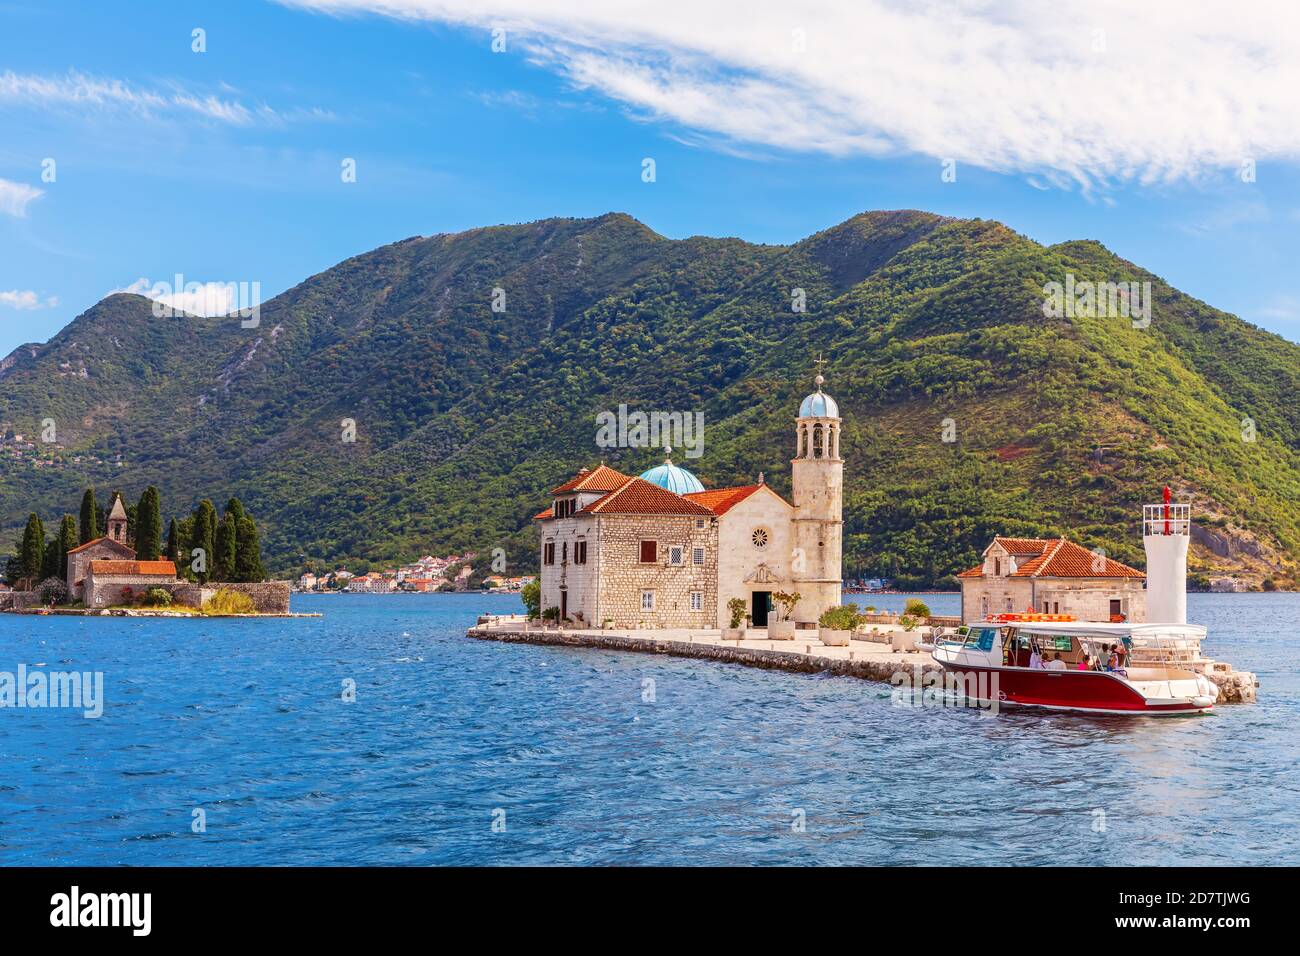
{"x":542,"y":515}
{"x":95,"y":541}
{"x":162,"y":568}
{"x":603,"y":478}
{"x":1058,"y":558}
{"x":722,"y":500}
{"x":640,"y":497}
{"x":1065,"y":559}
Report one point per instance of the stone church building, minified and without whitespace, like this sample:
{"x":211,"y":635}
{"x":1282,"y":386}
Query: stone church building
{"x":1051,"y":576}
{"x":662,"y":551}
{"x":99,"y":569}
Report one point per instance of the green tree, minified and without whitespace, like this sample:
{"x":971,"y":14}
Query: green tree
{"x":50,"y":563}
{"x":223,"y":560}
{"x":68,"y":540}
{"x":32,"y":555}
{"x":248,"y":559}
{"x":235,"y":507}
{"x":203,"y":538}
{"x":173,"y":544}
{"x":532,"y":597}
{"x":89,"y":529}
{"x":148,"y":526}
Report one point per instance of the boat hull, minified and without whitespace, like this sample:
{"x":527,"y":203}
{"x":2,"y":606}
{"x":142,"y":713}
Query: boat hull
{"x":1092,"y":691}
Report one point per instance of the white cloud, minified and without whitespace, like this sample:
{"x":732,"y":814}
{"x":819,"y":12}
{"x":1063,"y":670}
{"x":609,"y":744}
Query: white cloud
{"x":1094,"y":91}
{"x":81,"y":91}
{"x":14,"y":197}
{"x":195,"y":298}
{"x":26,"y":300}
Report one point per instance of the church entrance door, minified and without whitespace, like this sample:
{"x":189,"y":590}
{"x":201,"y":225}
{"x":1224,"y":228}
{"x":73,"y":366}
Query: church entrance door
{"x":564,"y":605}
{"x":762,"y":604}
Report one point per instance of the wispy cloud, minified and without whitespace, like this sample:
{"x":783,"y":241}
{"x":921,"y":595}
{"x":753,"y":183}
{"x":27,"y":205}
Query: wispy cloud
{"x":76,"y":90}
{"x":14,"y":197}
{"x":1094,"y":91}
{"x":25,"y":300}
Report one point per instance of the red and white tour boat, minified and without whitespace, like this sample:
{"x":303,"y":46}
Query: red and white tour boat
{"x":996,"y":657}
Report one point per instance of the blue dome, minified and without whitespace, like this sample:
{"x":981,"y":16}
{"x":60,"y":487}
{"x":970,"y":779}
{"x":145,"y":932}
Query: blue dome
{"x":677,"y":480}
{"x":819,"y":405}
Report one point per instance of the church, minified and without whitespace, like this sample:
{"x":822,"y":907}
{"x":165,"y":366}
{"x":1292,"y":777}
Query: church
{"x":100,"y":569}
{"x":662,"y":551}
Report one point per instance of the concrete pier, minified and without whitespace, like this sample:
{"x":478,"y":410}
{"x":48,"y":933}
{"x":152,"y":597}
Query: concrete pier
{"x":866,"y":659}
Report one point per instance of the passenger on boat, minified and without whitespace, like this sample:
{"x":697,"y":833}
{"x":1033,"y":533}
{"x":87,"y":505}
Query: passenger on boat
{"x":1085,"y":662}
{"x":1112,"y":662}
{"x":1035,"y":657}
{"x":1054,"y":663}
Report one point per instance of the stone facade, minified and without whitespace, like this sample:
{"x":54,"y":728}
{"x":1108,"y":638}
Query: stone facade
{"x":104,"y":589}
{"x":99,"y":549}
{"x":709,"y":546}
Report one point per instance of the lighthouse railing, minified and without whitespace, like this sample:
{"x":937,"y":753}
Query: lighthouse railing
{"x":1164,"y":519}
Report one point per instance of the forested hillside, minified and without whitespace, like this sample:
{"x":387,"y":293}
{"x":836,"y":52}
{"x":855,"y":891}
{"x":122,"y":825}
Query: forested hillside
{"x":465,"y":416}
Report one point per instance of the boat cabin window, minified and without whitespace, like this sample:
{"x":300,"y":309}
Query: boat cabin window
{"x":982,"y":637}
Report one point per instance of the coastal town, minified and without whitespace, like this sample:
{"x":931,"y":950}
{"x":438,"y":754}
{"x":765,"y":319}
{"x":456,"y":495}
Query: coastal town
{"x":428,"y":574}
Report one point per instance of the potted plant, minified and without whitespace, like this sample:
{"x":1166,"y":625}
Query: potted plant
{"x":782,"y":628}
{"x":551,"y":616}
{"x":837,"y":624}
{"x":736,"y":632}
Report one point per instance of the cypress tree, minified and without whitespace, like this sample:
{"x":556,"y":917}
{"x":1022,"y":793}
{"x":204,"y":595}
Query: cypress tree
{"x":248,"y":560}
{"x":32,"y":555}
{"x":67,"y":541}
{"x":173,"y":543}
{"x":223,"y":566}
{"x":148,"y":526}
{"x":50,"y":560}
{"x":205,"y":530}
{"x":90,"y":525}
{"x":235,"y":507}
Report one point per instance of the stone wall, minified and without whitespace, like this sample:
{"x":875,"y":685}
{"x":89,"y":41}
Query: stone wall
{"x":1088,"y":599}
{"x":623,"y":578}
{"x":102,"y":590}
{"x":18,"y":599}
{"x":269,"y":597}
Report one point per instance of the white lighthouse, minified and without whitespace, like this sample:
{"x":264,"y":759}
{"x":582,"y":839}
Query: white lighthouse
{"x":1166,"y":531}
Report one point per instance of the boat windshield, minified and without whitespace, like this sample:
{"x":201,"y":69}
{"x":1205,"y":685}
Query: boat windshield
{"x":982,"y":637}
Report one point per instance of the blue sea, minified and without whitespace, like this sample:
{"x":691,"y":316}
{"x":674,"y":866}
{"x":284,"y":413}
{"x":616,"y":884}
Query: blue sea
{"x":458,"y":751}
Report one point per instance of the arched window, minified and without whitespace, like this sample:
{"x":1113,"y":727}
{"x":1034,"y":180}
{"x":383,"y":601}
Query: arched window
{"x":819,"y":442}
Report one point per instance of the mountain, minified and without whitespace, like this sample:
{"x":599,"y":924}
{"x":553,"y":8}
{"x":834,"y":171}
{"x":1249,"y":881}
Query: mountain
{"x":466,"y":416}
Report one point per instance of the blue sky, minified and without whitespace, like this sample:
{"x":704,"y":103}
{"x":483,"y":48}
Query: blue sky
{"x":224,"y":165}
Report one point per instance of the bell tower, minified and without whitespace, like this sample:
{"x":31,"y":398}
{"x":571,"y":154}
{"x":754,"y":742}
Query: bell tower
{"x":817,"y":484}
{"x":116,"y":529}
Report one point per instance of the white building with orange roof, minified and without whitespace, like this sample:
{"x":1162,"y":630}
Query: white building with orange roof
{"x":662,"y":551}
{"x":1052,"y":576}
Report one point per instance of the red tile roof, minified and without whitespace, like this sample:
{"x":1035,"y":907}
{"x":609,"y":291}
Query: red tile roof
{"x":160,"y":568}
{"x":640,"y":497}
{"x":548,"y":512}
{"x":603,"y":478}
{"x":722,"y":500}
{"x":94,"y":541}
{"x":1065,"y":559}
{"x":1059,"y":558}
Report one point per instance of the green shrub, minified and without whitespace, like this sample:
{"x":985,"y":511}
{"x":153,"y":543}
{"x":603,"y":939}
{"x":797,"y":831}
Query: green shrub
{"x":551,"y":614}
{"x":157,"y":597}
{"x":909,"y":622}
{"x":787,"y":602}
{"x":916,"y":608}
{"x":229,"y":602}
{"x":736,"y":606}
{"x":843,"y":618}
{"x":53,"y":591}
